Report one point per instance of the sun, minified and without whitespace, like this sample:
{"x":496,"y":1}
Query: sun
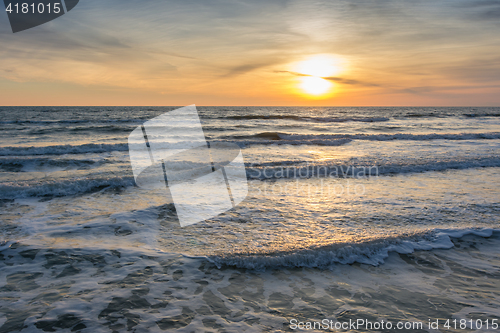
{"x":315,"y":85}
{"x":315,"y":71}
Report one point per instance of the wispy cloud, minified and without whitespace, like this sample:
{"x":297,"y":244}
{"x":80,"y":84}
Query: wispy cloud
{"x":336,"y":79}
{"x":246,"y":68}
{"x":482,"y":9}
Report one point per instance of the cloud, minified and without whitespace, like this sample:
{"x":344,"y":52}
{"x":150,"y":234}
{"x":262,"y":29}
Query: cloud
{"x":351,"y":82}
{"x":148,"y":43}
{"x":481,"y":10}
{"x":242,"y":69}
{"x":191,"y":45}
{"x":434,"y":89}
{"x":249,"y":67}
{"x":336,"y":79}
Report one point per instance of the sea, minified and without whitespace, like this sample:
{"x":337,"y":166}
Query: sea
{"x":357,"y":219}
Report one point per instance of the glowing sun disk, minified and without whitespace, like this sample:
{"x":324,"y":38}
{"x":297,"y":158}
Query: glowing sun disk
{"x":314,"y":70}
{"x":315,"y":85}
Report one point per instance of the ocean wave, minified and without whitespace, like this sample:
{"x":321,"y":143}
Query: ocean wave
{"x":90,"y":148}
{"x":373,"y":253}
{"x":306,"y":118}
{"x":73,"y":121}
{"x":480,"y":115}
{"x":423,"y":115}
{"x":443,"y":113}
{"x":94,"y":182}
{"x":290,"y":138}
{"x":60,"y":188}
{"x":297,"y":169}
{"x":318,"y":142}
{"x":20,"y":164}
{"x":80,"y":130}
{"x":63,"y":149}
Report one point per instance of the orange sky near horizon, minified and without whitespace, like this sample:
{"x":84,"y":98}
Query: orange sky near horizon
{"x":319,"y":53}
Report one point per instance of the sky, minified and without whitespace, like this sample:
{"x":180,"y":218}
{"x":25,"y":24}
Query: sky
{"x":257,"y":52}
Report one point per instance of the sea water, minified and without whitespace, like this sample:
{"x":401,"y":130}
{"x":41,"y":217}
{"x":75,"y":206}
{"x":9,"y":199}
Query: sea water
{"x":373,"y":214}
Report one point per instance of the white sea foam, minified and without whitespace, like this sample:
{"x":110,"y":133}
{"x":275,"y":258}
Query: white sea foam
{"x":371,"y":254}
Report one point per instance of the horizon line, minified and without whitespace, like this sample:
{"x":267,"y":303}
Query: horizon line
{"x":287,"y":106}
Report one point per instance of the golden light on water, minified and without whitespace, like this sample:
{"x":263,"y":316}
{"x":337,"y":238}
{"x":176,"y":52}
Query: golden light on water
{"x":315,"y":70}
